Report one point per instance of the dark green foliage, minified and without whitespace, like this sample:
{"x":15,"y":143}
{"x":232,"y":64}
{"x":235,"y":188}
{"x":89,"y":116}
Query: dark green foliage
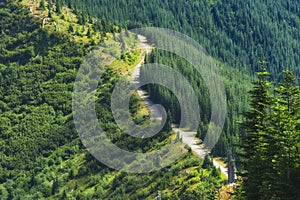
{"x":42,"y":5}
{"x":284,"y":129}
{"x":88,"y":33}
{"x":147,"y":185}
{"x":55,"y":186}
{"x":254,"y":142}
{"x":168,"y":124}
{"x":58,"y":6}
{"x":70,"y":29}
{"x":36,"y":78}
{"x":124,"y":141}
{"x":40,"y":152}
{"x":208,"y":163}
{"x":237,"y":32}
{"x":162,"y":95}
{"x":234,"y":90}
{"x":64,"y":195}
{"x":271,"y":141}
{"x":216,"y":172}
{"x":41,"y":155}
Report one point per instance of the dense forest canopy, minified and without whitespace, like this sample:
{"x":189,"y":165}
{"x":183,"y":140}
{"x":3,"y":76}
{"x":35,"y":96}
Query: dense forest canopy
{"x":41,"y":50}
{"x":240,"y":33}
{"x":41,"y":155}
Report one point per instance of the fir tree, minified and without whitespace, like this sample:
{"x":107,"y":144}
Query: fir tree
{"x":284,"y":130}
{"x":207,"y":163}
{"x":271,"y":144}
{"x":255,"y":139}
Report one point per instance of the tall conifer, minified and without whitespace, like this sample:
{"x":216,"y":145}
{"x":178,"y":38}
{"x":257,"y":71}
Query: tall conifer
{"x":254,"y":141}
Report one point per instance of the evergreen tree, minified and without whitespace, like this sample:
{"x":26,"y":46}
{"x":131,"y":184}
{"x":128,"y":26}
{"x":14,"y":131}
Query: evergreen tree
{"x":70,"y":29}
{"x":270,"y":147}
{"x":255,"y":139}
{"x":207,"y":163}
{"x":284,"y":129}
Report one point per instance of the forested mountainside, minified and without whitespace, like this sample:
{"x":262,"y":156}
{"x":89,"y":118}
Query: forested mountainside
{"x":243,"y":35}
{"x":240,"y":33}
{"x":44,"y":42}
{"x":235,"y":94}
{"x":41,"y":155}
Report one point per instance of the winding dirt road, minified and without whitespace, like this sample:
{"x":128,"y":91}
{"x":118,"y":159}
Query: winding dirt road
{"x":187,"y":137}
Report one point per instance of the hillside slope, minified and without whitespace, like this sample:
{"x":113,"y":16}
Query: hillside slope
{"x":240,"y":33}
{"x":41,"y":156}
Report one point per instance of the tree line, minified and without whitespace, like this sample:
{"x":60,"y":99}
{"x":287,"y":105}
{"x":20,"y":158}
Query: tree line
{"x":239,"y":33}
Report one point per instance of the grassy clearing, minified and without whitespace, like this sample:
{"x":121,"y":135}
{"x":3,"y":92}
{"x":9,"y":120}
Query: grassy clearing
{"x":66,"y":22}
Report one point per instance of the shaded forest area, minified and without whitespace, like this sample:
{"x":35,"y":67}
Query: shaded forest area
{"x":240,"y":33}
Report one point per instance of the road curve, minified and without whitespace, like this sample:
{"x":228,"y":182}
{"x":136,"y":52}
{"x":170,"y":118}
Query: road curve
{"x":187,"y":137}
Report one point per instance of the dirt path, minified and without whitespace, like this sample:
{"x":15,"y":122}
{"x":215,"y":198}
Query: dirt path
{"x":187,"y":137}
